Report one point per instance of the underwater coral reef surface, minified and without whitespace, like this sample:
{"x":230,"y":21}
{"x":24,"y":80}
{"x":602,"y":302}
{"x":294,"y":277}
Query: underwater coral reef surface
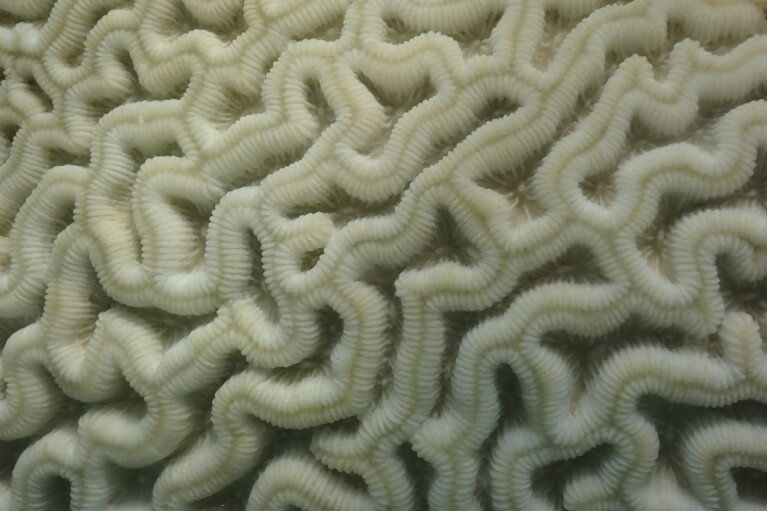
{"x":398,"y":255}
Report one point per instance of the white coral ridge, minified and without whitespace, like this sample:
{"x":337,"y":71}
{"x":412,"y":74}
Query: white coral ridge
{"x":383,"y":255}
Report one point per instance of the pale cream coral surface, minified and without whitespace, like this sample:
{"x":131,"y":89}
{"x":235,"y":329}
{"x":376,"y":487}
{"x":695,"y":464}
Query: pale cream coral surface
{"x":383,"y":255}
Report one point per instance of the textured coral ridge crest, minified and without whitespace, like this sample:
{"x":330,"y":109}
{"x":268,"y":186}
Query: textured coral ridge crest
{"x":383,"y":255}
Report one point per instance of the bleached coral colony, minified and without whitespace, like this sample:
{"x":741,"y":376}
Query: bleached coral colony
{"x":396,"y":254}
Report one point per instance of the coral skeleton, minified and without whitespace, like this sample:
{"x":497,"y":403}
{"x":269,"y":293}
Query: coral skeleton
{"x":356,"y":255}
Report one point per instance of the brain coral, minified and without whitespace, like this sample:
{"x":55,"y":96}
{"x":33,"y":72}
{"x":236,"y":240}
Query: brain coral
{"x":383,"y":255}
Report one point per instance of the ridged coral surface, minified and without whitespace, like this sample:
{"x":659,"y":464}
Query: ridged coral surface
{"x":383,"y":255}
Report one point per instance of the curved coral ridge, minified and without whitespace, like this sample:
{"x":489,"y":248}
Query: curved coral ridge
{"x":383,"y":255}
